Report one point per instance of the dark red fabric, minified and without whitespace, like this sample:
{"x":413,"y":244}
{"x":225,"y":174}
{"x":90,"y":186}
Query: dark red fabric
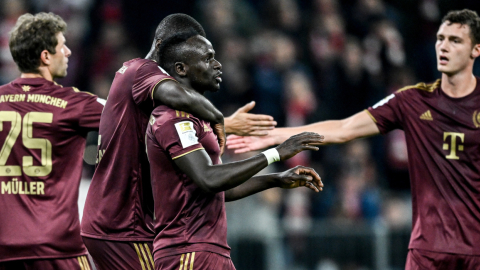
{"x":443,"y":142}
{"x":187,"y":219}
{"x":43,"y":127}
{"x":119,"y":202}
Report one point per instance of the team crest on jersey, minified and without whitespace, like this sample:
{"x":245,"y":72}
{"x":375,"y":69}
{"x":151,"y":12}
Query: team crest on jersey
{"x":26,"y":88}
{"x":122,"y":69}
{"x":476,"y":119}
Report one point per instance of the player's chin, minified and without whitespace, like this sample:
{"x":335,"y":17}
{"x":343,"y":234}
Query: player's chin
{"x":60,"y":75}
{"x":215,"y":88}
{"x":442,"y":68}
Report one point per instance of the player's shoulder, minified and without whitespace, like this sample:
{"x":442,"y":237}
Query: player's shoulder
{"x":422,"y":88}
{"x":164,"y":114}
{"x":141,"y":65}
{"x":74,"y":92}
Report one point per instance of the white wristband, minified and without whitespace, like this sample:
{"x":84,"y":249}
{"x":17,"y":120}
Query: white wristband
{"x":271,"y":155}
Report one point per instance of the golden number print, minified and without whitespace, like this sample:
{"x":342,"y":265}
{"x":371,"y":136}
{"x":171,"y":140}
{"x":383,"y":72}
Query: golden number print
{"x":15,"y":119}
{"x":28,"y":141}
{"x":36,"y":143}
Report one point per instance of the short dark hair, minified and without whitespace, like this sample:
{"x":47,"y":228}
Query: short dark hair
{"x":178,"y":22}
{"x":172,"y":50}
{"x":466,"y":17}
{"x":31,"y":35}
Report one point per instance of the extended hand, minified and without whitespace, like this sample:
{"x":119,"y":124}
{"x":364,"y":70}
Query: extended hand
{"x":300,"y":177}
{"x":243,"y":144}
{"x":243,"y":123}
{"x":219,"y":130}
{"x":299,"y":143}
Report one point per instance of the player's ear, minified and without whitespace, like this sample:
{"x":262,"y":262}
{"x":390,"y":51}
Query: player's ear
{"x":181,"y":69}
{"x":475,"y":51}
{"x":45,"y":58}
{"x":158,"y":42}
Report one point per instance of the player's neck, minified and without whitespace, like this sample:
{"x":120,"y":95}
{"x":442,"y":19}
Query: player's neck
{"x":35,"y":75}
{"x":458,"y":85}
{"x":43,"y":72}
{"x":186,"y":82}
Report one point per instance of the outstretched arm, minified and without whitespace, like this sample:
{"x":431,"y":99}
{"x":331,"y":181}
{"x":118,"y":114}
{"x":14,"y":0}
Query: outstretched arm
{"x":179,"y":97}
{"x":335,"y":131}
{"x":215,"y":178}
{"x":292,"y":178}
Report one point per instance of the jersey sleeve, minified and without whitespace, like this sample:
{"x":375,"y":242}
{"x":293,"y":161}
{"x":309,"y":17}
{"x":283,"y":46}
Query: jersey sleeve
{"x":91,"y":112}
{"x":148,"y":76}
{"x":179,"y":137}
{"x":386,"y":113}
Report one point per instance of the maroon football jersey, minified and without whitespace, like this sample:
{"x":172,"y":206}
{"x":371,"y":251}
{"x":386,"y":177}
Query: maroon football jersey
{"x":187,"y":219}
{"x":119,"y":204}
{"x":43,"y":127}
{"x":443,"y":141}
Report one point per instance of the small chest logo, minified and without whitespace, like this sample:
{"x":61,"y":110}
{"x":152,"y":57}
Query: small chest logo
{"x":26,"y":88}
{"x":426,"y":116}
{"x":476,"y":119}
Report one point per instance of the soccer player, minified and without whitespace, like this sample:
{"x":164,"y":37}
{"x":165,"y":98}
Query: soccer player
{"x":117,"y":218}
{"x":442,"y":128}
{"x":190,"y":185}
{"x":43,"y":128}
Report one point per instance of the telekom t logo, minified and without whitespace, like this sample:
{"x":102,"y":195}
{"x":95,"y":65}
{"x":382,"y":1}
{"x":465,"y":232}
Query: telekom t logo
{"x":451,"y":143}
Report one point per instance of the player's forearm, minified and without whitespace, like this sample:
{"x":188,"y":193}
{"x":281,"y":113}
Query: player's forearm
{"x":254,"y":185}
{"x":178,"y":97}
{"x":227,"y":176}
{"x":228,"y":125}
{"x":201,"y":107}
{"x":335,"y":131}
{"x":216,"y":178}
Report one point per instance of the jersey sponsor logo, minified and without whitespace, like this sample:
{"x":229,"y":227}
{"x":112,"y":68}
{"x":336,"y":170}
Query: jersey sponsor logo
{"x":122,"y":69}
{"x":187,"y":133}
{"x":453,"y":142}
{"x":17,"y":187}
{"x":426,"y":116}
{"x":383,"y":101}
{"x":476,"y":119}
{"x":26,"y":88}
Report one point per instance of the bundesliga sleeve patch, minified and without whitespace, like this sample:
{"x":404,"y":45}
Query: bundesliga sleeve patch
{"x":187,"y":133}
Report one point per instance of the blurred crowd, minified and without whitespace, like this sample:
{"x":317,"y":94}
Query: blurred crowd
{"x":302,"y":61}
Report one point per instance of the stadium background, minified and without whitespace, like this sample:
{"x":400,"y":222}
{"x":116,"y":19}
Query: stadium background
{"x":302,"y":61}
